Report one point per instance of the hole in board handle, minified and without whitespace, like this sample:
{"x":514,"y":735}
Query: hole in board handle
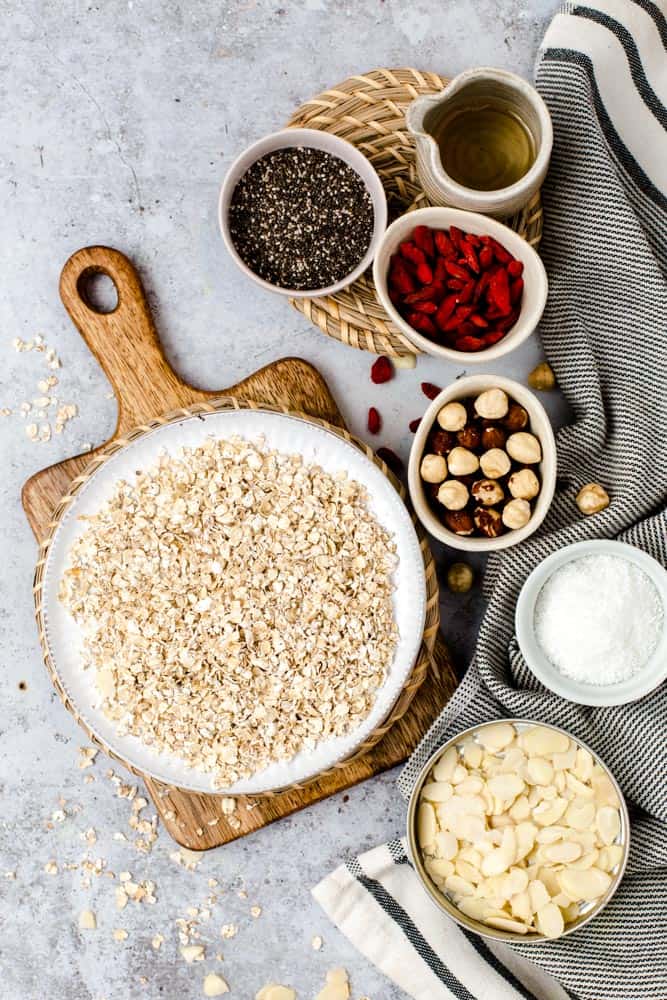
{"x":98,"y":290}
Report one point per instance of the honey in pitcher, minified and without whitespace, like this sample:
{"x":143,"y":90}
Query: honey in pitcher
{"x":484,"y":148}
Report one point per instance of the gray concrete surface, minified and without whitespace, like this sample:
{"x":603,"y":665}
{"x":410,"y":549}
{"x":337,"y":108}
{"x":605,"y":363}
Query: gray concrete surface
{"x":117,"y":121}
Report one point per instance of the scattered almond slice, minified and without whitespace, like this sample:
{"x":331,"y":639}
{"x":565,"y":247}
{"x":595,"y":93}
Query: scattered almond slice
{"x":272,"y":991}
{"x":193,"y":953}
{"x":337,"y":986}
{"x":229,"y":930}
{"x":316,"y":942}
{"x":214,"y":985}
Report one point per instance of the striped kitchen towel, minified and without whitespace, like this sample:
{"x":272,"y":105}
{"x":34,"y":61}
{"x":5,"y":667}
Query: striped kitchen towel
{"x":603,"y":74}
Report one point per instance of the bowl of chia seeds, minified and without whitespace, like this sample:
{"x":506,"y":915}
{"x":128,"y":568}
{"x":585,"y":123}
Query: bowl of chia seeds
{"x":302,"y":212}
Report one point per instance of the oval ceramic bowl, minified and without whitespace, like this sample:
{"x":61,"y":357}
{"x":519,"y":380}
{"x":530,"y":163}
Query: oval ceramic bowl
{"x":534,"y":276}
{"x":540,"y":425}
{"x":286,"y":433}
{"x":314,"y":139}
{"x":446,"y":905}
{"x":654,"y":671}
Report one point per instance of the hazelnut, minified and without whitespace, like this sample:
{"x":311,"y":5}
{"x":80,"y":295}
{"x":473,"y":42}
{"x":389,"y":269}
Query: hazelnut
{"x":524,"y":448}
{"x":592,"y":498}
{"x":495,"y":463}
{"x":459,"y":578}
{"x":516,"y":419}
{"x":488,"y":521}
{"x":442,"y":442}
{"x":542,"y":377}
{"x":453,"y":495}
{"x":459,"y":521}
{"x":487,"y":492}
{"x":452,"y":417}
{"x":469,"y":437}
{"x":433,"y":468}
{"x":524,"y":484}
{"x":516,"y":513}
{"x":492,"y":404}
{"x":493,"y":437}
{"x":462,"y":462}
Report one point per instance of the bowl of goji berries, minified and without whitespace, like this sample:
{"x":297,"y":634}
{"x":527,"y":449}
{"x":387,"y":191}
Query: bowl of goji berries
{"x":459,"y":284}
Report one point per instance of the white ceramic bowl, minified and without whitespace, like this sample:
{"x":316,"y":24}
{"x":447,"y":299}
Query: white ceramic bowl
{"x":314,"y":139}
{"x":446,"y":905}
{"x":540,"y":425}
{"x":534,"y":276}
{"x":654,"y":671}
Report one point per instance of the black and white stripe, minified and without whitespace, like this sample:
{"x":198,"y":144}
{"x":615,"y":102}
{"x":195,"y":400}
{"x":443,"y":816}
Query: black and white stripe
{"x":603,"y":74}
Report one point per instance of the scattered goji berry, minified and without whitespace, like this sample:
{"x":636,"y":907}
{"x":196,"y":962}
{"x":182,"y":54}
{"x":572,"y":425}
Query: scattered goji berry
{"x":414,"y":424}
{"x":430,"y":390}
{"x":382,"y":370}
{"x":374,"y":420}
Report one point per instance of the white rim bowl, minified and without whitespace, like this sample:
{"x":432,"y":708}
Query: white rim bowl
{"x":535,"y":278}
{"x":654,"y":671}
{"x":540,"y":425}
{"x":290,"y":138}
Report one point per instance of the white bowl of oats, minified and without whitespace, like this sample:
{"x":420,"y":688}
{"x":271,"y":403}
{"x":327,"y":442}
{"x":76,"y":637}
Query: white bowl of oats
{"x":234,"y":601}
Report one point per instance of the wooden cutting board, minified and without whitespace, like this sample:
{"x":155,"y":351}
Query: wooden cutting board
{"x":126,"y":345}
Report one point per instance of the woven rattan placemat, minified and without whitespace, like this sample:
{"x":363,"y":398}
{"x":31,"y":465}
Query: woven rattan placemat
{"x":369,"y":111}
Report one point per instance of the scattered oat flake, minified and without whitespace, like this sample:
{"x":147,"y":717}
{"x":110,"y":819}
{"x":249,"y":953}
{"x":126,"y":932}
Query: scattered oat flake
{"x":212,"y":882}
{"x":58,"y":816}
{"x":255,"y":911}
{"x":32,"y":431}
{"x":51,"y":868}
{"x":120,"y":934}
{"x":5,"y":412}
{"x":87,"y":921}
{"x":228,"y":805}
{"x":229,"y":930}
{"x":9,"y":875}
{"x":87,"y":757}
{"x":90,"y":836}
{"x":317,"y":942}
{"x":157,"y":941}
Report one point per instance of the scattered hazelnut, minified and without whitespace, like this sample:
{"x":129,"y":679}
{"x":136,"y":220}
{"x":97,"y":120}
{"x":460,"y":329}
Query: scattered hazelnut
{"x":516,"y":513}
{"x":493,"y":437}
{"x":459,"y":578}
{"x":452,"y":416}
{"x":495,"y":463}
{"x":487,"y":492}
{"x":516,"y":419}
{"x":592,"y":498}
{"x":492,"y":404}
{"x":433,"y":468}
{"x":524,"y":484}
{"x":524,"y":448}
{"x":488,"y":521}
{"x":462,"y":462}
{"x":453,"y":495}
{"x":442,"y":442}
{"x":469,"y":437}
{"x":459,"y":521}
{"x":542,"y":376}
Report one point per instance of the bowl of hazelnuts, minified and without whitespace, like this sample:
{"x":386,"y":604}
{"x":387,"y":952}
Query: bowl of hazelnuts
{"x":482,"y":469}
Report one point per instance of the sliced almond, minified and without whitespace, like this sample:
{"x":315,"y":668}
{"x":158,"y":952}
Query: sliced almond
{"x":562,"y":852}
{"x":446,"y":845}
{"x":459,"y":886}
{"x":608,"y":824}
{"x":443,"y":768}
{"x":505,"y":924}
{"x":472,"y":754}
{"x":538,"y":895}
{"x":549,"y":921}
{"x":272,"y":991}
{"x":538,"y":771}
{"x":437,"y":791}
{"x":580,"y":814}
{"x":609,"y":857}
{"x":586,"y":885}
{"x":426,"y":826}
{"x":549,"y":812}
{"x":87,"y":921}
{"x":506,"y":787}
{"x":497,"y":736}
{"x":214,"y":985}
{"x":540,"y":741}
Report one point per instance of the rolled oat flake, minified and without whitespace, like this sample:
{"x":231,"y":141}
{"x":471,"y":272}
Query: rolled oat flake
{"x":598,"y":619}
{"x":301,"y":218}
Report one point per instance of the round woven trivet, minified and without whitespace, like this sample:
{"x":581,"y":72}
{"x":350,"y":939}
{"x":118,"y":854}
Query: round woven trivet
{"x":369,"y":112}
{"x":422,"y":664}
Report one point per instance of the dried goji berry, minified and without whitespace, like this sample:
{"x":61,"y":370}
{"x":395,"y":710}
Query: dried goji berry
{"x":423,"y":237}
{"x":374,"y":420}
{"x":470,"y":255}
{"x":430,"y":390}
{"x":424,"y":273}
{"x":382,"y":370}
{"x":516,"y":290}
{"x":455,"y":235}
{"x":499,"y":251}
{"x":427,"y":307}
{"x":485,"y":257}
{"x":422,"y":324}
{"x":440,"y":273}
{"x":515,"y":268}
{"x":469,"y":344}
{"x":444,"y":245}
{"x":414,"y":424}
{"x":457,"y":271}
{"x":493,"y":337}
{"x":455,"y":285}
{"x":447,"y":307}
{"x":412,"y":252}
{"x":466,"y":293}
{"x":472,"y":238}
{"x":479,"y":321}
{"x":391,"y":459}
{"x":499,"y":291}
{"x":429,"y":293}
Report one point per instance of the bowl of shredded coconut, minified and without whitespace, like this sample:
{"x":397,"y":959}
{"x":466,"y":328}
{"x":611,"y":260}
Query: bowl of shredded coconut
{"x":591,"y":623}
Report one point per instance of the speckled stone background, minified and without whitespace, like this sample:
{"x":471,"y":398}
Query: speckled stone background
{"x":117,"y":122}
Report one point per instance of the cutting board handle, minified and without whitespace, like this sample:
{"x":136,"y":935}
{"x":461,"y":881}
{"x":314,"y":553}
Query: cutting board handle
{"x":124,"y":340}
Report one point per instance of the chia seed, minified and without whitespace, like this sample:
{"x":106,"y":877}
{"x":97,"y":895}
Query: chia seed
{"x":301,"y":218}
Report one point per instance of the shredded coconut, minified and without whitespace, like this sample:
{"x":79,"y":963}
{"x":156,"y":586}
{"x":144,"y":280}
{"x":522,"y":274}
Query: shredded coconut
{"x":598,"y":619}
